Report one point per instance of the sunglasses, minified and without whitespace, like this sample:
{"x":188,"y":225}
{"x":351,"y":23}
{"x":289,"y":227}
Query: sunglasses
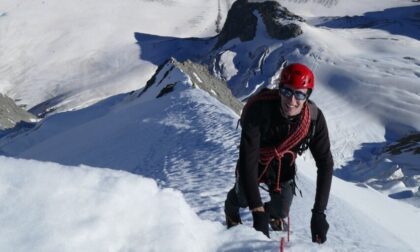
{"x":287,"y":92}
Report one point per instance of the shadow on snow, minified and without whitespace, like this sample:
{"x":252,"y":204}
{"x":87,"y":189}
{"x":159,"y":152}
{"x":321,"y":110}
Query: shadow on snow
{"x":157,"y":49}
{"x":374,"y":165}
{"x":403,"y":21}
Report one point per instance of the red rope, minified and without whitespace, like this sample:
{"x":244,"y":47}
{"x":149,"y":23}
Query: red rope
{"x":267,"y":154}
{"x":282,"y":244}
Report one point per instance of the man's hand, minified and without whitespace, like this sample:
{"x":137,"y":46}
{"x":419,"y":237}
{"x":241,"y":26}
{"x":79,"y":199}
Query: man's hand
{"x":319,"y":227}
{"x":260,"y":218}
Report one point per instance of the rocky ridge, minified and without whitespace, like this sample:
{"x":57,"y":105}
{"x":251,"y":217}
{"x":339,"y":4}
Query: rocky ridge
{"x":11,"y":114}
{"x":199,"y":77}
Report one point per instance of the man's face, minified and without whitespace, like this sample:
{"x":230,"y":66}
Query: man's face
{"x":291,"y":100}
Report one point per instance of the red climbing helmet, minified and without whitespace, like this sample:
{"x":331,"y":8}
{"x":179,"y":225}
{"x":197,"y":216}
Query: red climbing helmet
{"x":298,"y":76}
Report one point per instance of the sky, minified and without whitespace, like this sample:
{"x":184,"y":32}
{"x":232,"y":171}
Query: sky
{"x":111,"y":171}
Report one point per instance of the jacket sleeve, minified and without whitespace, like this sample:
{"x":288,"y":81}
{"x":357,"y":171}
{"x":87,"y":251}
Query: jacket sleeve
{"x":320,"y":149}
{"x":249,"y":152}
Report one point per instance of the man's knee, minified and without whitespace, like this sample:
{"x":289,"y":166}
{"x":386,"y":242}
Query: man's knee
{"x":281,"y":201}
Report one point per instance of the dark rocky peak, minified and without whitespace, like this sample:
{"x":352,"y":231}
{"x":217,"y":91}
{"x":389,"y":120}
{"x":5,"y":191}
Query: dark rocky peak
{"x":241,"y":21}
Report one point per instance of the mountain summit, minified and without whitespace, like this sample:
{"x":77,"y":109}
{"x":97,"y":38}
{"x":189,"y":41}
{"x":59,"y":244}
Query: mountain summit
{"x":242,"y":21}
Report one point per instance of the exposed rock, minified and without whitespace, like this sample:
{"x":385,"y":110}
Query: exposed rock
{"x":200,"y":78}
{"x":11,"y":114}
{"x":410,"y":143}
{"x":169,"y":88}
{"x":242,"y":23}
{"x":273,"y":13}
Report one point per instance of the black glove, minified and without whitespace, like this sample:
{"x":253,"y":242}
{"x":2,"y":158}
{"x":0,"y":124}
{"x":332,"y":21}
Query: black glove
{"x":319,"y":227}
{"x":261,"y":222}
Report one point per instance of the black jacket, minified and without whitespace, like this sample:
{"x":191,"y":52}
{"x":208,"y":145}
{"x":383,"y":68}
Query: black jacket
{"x":263,"y":126}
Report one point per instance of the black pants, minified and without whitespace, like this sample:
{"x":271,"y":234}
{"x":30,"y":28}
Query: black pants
{"x":279,"y":204}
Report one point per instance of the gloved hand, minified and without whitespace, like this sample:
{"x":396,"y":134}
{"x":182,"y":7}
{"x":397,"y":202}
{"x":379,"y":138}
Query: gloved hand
{"x":319,"y":227}
{"x":261,"y":222}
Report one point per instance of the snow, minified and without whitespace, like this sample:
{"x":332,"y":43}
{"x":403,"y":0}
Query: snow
{"x":324,"y":8}
{"x":198,"y":78}
{"x":136,"y":173}
{"x":113,"y":202}
{"x":39,"y":40}
{"x":50,"y":207}
{"x":227,"y":66}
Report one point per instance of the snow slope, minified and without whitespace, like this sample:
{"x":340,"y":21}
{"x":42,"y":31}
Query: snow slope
{"x":77,"y":53}
{"x":50,"y":207}
{"x":186,"y":140}
{"x":367,"y":86}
